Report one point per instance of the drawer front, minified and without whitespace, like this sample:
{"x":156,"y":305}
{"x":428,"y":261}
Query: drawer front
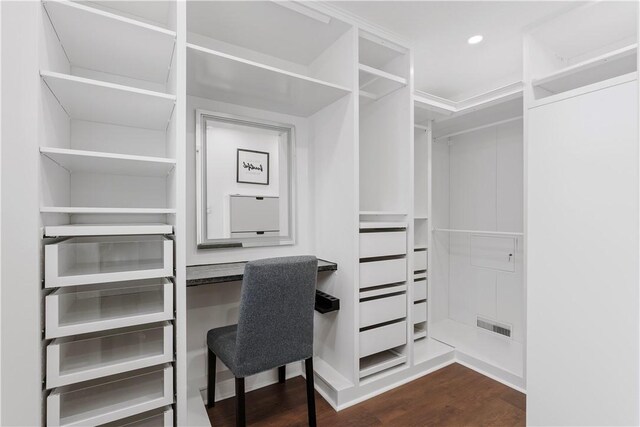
{"x":419,"y":261}
{"x":383,"y":244}
{"x":382,"y":310}
{"x":420,"y":290}
{"x":383,"y":338}
{"x":383,"y":272}
{"x":420,"y":312}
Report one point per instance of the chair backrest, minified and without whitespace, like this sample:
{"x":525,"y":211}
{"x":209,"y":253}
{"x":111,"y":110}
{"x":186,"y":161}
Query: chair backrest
{"x":275,"y":325}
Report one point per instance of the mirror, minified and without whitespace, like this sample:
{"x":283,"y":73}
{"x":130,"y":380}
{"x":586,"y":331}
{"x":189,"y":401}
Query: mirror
{"x":244,"y":178}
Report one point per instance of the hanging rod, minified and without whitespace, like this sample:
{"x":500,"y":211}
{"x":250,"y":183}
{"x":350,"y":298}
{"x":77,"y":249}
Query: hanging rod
{"x":500,"y":233}
{"x":488,"y":125}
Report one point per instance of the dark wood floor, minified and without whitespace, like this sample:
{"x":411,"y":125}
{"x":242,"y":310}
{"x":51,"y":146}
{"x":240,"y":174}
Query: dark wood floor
{"x":453,"y":396}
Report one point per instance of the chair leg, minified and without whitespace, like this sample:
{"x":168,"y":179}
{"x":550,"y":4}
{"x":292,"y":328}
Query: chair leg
{"x":240,"y":410}
{"x":211,"y":380}
{"x":282,"y":374}
{"x":311,"y":399}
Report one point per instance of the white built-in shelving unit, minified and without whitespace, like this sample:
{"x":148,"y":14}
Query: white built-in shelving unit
{"x":111,"y":165}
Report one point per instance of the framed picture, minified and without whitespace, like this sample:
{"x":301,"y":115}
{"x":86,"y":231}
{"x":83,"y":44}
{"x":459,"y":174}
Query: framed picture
{"x":252,"y":167}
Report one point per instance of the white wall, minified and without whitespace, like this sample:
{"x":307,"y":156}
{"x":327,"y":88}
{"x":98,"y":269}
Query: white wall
{"x":583,"y":260}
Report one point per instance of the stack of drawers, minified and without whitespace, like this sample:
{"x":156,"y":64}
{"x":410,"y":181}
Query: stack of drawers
{"x":383,"y":296}
{"x":109,"y":318}
{"x":419,"y":293}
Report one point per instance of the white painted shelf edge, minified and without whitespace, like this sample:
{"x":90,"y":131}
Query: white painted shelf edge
{"x":585,"y":65}
{"x":106,"y":229}
{"x":376,"y":73}
{"x":45,"y":74}
{"x":65,"y":157}
{"x":266,"y":67}
{"x":501,"y":233}
{"x":96,"y":210}
{"x":113,"y":16}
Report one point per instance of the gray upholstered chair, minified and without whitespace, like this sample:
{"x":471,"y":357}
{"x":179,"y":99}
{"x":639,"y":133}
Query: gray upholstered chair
{"x":275,"y":327}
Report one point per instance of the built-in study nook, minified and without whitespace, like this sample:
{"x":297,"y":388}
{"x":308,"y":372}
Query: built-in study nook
{"x":247,"y":212}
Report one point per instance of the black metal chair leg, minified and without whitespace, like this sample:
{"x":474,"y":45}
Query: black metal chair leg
{"x":240,"y":409}
{"x":282,"y":374}
{"x":311,"y":399}
{"x":211,"y":380}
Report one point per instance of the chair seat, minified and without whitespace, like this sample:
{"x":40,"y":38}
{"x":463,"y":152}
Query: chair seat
{"x":222,"y":342}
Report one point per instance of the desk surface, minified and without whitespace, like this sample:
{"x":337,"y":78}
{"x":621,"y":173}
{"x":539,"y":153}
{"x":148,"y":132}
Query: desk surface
{"x":231,"y":272}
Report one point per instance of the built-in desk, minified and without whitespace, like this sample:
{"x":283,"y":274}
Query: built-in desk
{"x":198,"y":275}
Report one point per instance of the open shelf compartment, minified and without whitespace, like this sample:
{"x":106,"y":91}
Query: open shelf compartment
{"x":612,"y":64}
{"x":382,"y":361}
{"x":162,"y":417}
{"x":87,"y":260}
{"x":96,"y":403}
{"x":98,"y":101}
{"x":94,"y":308}
{"x":376,"y":83}
{"x":89,"y":37}
{"x":77,"y":359}
{"x":227,"y":78}
{"x":109,"y":163}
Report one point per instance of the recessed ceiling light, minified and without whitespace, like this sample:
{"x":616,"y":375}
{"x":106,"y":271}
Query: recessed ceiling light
{"x":475,"y":39}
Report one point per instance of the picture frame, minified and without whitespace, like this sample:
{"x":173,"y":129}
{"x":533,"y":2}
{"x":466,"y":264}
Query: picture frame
{"x":252,"y":167}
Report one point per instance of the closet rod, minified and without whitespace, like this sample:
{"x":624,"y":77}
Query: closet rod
{"x":501,"y":122}
{"x":501,"y":233}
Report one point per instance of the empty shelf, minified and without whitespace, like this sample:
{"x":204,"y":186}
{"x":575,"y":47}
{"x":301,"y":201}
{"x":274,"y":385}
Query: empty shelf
{"x":99,"y":210}
{"x":380,"y":361}
{"x":379,"y":83}
{"x":377,"y":52}
{"x":222,"y":77}
{"x":87,"y":260}
{"x":103,"y":41}
{"x":72,"y":360}
{"x":73,"y":230}
{"x":500,"y":233}
{"x":419,"y":331}
{"x":98,"y":101}
{"x":503,"y":353}
{"x":162,"y":417}
{"x":97,"y":403}
{"x":612,"y":64}
{"x":429,"y":349}
{"x":99,"y":308}
{"x":109,"y":163}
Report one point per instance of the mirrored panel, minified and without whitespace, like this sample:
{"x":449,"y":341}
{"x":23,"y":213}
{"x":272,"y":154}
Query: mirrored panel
{"x":245,"y":186}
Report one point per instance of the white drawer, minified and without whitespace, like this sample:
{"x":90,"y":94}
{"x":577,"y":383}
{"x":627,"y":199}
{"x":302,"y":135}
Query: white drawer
{"x":420,"y":290}
{"x":420,"y":312}
{"x":382,"y":310}
{"x":158,"y":418}
{"x":384,"y":243}
{"x":95,"y":308}
{"x":95,"y":402}
{"x":419,"y":260}
{"x":87,"y":260}
{"x":383,"y":272}
{"x":383,"y":338}
{"x":72,"y":360}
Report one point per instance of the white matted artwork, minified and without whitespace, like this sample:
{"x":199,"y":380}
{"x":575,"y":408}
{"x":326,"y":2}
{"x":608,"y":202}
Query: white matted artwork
{"x":252,"y":167}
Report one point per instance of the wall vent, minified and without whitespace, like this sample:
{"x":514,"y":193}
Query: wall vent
{"x":493,"y":326}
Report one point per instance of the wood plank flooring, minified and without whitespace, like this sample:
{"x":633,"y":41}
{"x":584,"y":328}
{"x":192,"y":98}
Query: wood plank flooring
{"x":452,"y":396}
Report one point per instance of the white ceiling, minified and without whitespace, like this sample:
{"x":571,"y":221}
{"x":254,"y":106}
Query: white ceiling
{"x":444,"y":64}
